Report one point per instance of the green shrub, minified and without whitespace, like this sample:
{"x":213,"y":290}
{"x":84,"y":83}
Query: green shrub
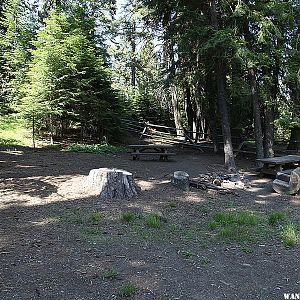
{"x":96,"y":148}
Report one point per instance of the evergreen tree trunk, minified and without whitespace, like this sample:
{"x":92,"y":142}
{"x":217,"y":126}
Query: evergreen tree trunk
{"x":133,"y":50}
{"x":212,"y":125}
{"x":169,"y":64}
{"x":226,"y":132}
{"x":256,"y":115}
{"x":294,"y":143}
{"x":220,"y":76}
{"x":269,"y":131}
{"x":212,"y":117}
{"x":189,"y":110}
{"x":197,"y":121}
{"x":271,"y":72}
{"x":51,"y":129}
{"x":176,"y":111}
{"x":258,"y":132}
{"x":33,"y":131}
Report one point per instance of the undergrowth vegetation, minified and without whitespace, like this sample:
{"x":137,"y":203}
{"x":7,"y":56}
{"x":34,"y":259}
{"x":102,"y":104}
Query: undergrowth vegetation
{"x":110,"y":274}
{"x":290,"y":235}
{"x":13,"y":132}
{"x":95,"y":148}
{"x":276,"y":217}
{"x":235,"y":226}
{"x":127,"y":290}
{"x":249,"y":227}
{"x":243,"y":228}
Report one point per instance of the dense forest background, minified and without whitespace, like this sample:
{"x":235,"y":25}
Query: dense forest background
{"x":215,"y":67}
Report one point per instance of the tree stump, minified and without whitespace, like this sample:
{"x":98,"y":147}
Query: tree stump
{"x":291,"y":187}
{"x":112,"y":183}
{"x":181,"y":180}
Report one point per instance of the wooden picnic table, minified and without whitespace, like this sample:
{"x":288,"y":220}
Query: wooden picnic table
{"x":159,"y":150}
{"x":273,"y":165}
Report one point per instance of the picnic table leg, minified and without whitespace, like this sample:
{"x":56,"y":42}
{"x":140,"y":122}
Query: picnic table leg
{"x":135,"y":157}
{"x":162,"y":157}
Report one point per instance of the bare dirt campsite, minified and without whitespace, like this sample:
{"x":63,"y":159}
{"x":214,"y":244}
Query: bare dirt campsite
{"x":149,"y":150}
{"x":59,"y":241}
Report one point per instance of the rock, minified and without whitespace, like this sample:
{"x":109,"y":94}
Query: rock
{"x":234,"y":177}
{"x":181,"y":180}
{"x":228,"y":184}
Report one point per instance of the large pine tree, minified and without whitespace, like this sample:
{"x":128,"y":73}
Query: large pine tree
{"x":68,"y":81}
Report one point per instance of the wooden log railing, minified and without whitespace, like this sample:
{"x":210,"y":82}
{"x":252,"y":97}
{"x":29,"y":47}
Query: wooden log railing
{"x":167,"y":134}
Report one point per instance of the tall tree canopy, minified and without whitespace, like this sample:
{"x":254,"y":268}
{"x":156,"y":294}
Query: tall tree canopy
{"x":211,"y":68}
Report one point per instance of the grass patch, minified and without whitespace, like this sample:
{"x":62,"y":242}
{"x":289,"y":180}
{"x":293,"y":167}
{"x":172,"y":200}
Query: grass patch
{"x":235,"y":233}
{"x":275,"y":217}
{"x":203,"y":209}
{"x":290,"y":236}
{"x":153,"y":220}
{"x":127,"y":290}
{"x":77,"y":217}
{"x":247,"y":250}
{"x":129,"y":216}
{"x":187,"y":253}
{"x":94,"y":218}
{"x":172,"y":205}
{"x":239,"y":218}
{"x":96,"y":148}
{"x":236,"y":226}
{"x":213,"y":225}
{"x":13,"y":132}
{"x":205,"y":261}
{"x":74,"y":217}
{"x":110,"y":274}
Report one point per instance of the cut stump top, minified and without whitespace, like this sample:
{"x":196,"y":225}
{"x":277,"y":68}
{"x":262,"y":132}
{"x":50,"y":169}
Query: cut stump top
{"x":112,"y":183}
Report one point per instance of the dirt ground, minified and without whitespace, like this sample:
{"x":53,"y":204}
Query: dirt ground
{"x":49,"y":251}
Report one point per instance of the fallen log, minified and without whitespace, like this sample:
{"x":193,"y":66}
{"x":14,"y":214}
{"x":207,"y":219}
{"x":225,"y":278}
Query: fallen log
{"x":203,"y":185}
{"x":290,"y":187}
{"x":284,"y":175}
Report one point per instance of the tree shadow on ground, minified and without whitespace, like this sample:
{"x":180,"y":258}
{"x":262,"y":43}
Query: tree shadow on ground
{"x":31,"y":187}
{"x":55,"y":247}
{"x":62,"y":250}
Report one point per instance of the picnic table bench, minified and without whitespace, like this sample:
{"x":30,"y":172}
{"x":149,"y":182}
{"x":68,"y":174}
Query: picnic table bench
{"x":158,"y":150}
{"x":273,"y":165}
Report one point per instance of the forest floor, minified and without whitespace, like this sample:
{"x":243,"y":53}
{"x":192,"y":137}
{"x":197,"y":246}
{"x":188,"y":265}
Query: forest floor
{"x":59,"y":242}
